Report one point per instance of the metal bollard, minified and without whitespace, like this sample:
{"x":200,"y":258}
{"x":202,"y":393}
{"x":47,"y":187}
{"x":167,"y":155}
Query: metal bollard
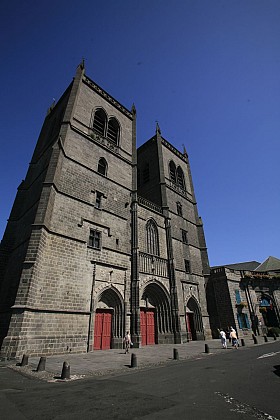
{"x":265,"y":338}
{"x":24,"y":361}
{"x":175,"y":354}
{"x":65,"y":374}
{"x":242,"y":342}
{"x":206,"y":348}
{"x":133,"y":362}
{"x":41,"y":365}
{"x":255,"y":339}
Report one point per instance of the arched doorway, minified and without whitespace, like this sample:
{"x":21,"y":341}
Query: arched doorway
{"x":109,"y":320}
{"x":194,"y":320}
{"x":155,"y":316}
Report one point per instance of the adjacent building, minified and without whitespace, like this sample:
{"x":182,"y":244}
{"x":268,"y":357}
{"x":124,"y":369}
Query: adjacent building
{"x":246,"y":296}
{"x":102,"y":237}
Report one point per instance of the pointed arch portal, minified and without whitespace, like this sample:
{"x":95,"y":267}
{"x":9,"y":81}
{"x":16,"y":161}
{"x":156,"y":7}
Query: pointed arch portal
{"x":109,"y":320}
{"x":194,"y":320}
{"x":155,"y":317}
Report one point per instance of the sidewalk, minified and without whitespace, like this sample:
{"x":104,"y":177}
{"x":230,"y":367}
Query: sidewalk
{"x":115,"y":361}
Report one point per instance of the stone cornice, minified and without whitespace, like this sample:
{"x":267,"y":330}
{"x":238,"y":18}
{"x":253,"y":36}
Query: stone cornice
{"x":174,"y":150}
{"x":107,"y":97}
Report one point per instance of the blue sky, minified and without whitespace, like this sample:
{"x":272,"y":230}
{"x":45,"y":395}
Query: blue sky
{"x":207,"y":70}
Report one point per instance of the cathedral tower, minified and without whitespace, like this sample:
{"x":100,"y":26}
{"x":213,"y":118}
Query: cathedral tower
{"x":102,"y":238}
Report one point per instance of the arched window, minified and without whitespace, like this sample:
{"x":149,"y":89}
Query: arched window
{"x":172,"y":172}
{"x":113,"y":130}
{"x":152,"y":238}
{"x":102,"y":166}
{"x":100,"y":121}
{"x":181,"y":178}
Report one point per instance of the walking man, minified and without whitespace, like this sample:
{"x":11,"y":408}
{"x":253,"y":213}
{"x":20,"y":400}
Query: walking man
{"x":127,"y":342}
{"x":223,"y":339}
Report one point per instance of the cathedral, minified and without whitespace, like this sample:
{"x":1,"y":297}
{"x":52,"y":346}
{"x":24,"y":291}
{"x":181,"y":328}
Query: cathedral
{"x":103,"y":237}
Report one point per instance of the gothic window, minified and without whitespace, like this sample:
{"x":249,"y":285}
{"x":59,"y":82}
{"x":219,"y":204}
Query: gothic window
{"x":113,"y":130}
{"x":146,"y":173}
{"x":187,"y":266}
{"x":152,"y":238}
{"x":100,"y":121}
{"x":179,"y":209}
{"x":172,"y":172}
{"x":184,"y":236}
{"x":102,"y":167}
{"x":95,"y":238}
{"x":180,"y":178}
{"x":138,"y":177}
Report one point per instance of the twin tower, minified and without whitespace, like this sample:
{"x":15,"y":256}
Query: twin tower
{"x":102,"y":237}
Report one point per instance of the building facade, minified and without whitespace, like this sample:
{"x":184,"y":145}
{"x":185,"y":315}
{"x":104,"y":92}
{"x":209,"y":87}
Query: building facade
{"x":102,"y":237}
{"x":245,"y":296}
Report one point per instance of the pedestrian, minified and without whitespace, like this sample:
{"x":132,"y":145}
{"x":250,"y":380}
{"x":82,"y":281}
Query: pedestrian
{"x":223,"y":339}
{"x":127,"y":342}
{"x":233,"y":337}
{"x":234,"y":331}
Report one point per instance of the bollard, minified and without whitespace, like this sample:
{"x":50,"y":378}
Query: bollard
{"x":274,"y":336}
{"x":206,"y":348}
{"x":242,"y":342}
{"x":175,"y":354}
{"x":255,"y":339}
{"x":65,"y":374}
{"x":133,"y":362}
{"x":265,"y":338}
{"x":41,"y":365}
{"x":24,"y":361}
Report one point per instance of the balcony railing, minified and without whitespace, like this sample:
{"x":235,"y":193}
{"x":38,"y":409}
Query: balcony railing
{"x":105,"y":141}
{"x":179,"y":190}
{"x":149,"y":204}
{"x":151,"y":264}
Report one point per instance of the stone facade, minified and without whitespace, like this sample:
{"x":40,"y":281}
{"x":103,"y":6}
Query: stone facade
{"x":88,"y":253}
{"x":246,"y":297}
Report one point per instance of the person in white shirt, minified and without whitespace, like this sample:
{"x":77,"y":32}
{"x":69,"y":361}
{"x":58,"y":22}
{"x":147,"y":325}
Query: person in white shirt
{"x":223,"y":339}
{"x":127,"y":342}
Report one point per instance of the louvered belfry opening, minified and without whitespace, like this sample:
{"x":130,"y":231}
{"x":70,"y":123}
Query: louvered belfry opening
{"x":99,"y":122}
{"x":181,"y":178}
{"x":113,"y":130}
{"x":172,"y":172}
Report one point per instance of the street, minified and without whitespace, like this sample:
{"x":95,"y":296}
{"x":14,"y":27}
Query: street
{"x":235,"y":384}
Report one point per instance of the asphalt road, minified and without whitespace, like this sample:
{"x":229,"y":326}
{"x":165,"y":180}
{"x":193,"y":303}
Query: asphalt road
{"x":237,"y":384}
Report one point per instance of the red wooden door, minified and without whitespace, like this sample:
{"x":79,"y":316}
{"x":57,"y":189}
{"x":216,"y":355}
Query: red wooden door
{"x":143,"y":327}
{"x":150,"y":317}
{"x":106,"y":331}
{"x":102,"y":330}
{"x":147,"y":324}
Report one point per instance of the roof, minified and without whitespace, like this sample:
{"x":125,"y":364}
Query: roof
{"x":270,"y":264}
{"x":249,"y":266}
